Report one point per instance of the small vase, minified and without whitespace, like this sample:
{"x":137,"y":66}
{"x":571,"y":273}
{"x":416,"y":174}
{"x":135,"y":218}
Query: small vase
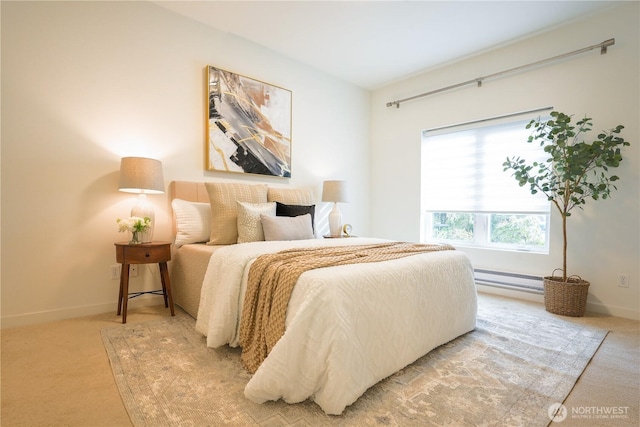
{"x":136,"y":238}
{"x":145,"y":236}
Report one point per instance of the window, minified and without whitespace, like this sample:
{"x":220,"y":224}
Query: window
{"x":467,"y":198}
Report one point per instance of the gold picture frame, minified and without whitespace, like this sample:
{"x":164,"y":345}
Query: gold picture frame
{"x":248,"y":125}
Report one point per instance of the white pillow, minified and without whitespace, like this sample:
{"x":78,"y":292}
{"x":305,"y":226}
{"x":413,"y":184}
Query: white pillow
{"x":287,"y":227}
{"x":193,"y":221}
{"x":249,"y":224}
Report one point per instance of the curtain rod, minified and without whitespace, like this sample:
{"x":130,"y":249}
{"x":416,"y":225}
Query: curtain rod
{"x":603,"y":49}
{"x":504,"y":116}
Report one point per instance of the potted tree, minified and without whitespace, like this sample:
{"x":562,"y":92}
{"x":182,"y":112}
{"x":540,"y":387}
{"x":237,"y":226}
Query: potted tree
{"x":574,"y":172}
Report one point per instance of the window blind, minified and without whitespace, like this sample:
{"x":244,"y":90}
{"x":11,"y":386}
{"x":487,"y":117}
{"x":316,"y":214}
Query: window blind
{"x":462,"y":170}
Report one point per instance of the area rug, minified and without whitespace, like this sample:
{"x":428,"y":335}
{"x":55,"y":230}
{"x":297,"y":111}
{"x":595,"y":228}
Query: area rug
{"x":509,"y":371}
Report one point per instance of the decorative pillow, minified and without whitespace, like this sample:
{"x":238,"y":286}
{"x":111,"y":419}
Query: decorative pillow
{"x":224,"y":209}
{"x":291,"y":196}
{"x":249,"y":224}
{"x":287,"y":228}
{"x":193,"y":221}
{"x":297,"y":210}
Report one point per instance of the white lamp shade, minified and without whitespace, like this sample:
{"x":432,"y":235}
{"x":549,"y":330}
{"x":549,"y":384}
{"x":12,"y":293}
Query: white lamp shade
{"x":141,"y":175}
{"x":334,"y":191}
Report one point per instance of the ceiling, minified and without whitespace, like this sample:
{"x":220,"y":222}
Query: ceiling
{"x":373,"y":43}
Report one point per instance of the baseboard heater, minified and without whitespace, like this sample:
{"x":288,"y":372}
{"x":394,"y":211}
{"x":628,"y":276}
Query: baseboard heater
{"x":516,"y":281}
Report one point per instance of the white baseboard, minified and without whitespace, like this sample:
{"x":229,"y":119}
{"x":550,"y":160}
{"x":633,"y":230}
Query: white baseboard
{"x":591,"y":307}
{"x":69,"y":313}
{"x":511,"y":293}
{"x":613,"y":311}
{"x":144,"y":301}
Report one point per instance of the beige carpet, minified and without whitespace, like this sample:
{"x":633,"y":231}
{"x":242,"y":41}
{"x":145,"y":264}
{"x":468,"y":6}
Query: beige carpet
{"x":509,"y":371}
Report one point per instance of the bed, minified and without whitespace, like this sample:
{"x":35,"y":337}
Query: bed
{"x":346,"y":327}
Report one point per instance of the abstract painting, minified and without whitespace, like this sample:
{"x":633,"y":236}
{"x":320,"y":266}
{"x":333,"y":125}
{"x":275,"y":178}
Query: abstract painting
{"x":249,"y":125}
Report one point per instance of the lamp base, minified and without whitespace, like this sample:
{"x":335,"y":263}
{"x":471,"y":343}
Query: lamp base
{"x":144,"y":209}
{"x":335,"y":221}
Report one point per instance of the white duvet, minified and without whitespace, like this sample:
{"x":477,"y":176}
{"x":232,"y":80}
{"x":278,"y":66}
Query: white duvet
{"x":347,"y":327}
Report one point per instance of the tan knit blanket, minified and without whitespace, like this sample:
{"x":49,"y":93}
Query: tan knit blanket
{"x":272,"y":278}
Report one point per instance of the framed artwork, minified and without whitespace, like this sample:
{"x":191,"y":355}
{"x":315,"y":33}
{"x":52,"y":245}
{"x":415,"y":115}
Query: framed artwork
{"x":248,"y":125}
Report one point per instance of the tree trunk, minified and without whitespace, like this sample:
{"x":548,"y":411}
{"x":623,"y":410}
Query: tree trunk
{"x":564,"y":248}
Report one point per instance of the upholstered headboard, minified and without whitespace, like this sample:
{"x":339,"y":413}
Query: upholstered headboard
{"x":191,"y":191}
{"x":216,"y":222}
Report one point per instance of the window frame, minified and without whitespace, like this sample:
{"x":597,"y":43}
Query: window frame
{"x":482,"y":219}
{"x":481,"y":234}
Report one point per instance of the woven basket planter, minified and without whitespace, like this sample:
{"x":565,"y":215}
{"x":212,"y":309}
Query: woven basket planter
{"x":565,"y":298}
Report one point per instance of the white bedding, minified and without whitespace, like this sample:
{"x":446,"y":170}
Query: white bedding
{"x":347,"y":327}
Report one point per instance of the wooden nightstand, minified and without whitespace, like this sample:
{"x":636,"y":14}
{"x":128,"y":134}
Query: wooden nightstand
{"x":144,"y":253}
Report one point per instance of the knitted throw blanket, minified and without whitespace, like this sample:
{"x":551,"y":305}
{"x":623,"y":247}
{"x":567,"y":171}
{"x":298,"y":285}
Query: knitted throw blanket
{"x":272,"y":278}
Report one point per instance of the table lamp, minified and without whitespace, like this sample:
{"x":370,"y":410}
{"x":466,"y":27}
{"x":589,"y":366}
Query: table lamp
{"x":143,"y":176}
{"x":335,"y":191}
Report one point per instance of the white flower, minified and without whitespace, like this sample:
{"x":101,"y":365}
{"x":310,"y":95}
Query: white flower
{"x":133,"y":224}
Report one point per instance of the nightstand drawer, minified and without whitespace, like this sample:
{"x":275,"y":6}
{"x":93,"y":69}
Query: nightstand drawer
{"x":143,"y":254}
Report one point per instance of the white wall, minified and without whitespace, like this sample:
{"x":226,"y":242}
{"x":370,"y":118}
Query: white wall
{"x":604,"y":239}
{"x":86,"y":83}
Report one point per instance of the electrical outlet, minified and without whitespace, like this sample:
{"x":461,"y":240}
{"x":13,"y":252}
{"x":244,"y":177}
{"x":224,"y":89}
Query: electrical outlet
{"x":133,"y":270}
{"x":623,"y":280}
{"x":115,"y":271}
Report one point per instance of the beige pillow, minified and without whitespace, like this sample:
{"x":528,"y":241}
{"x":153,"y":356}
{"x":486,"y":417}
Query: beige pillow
{"x":291,"y":196}
{"x":224,"y":209}
{"x":287,"y":227}
{"x":249,"y":225}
